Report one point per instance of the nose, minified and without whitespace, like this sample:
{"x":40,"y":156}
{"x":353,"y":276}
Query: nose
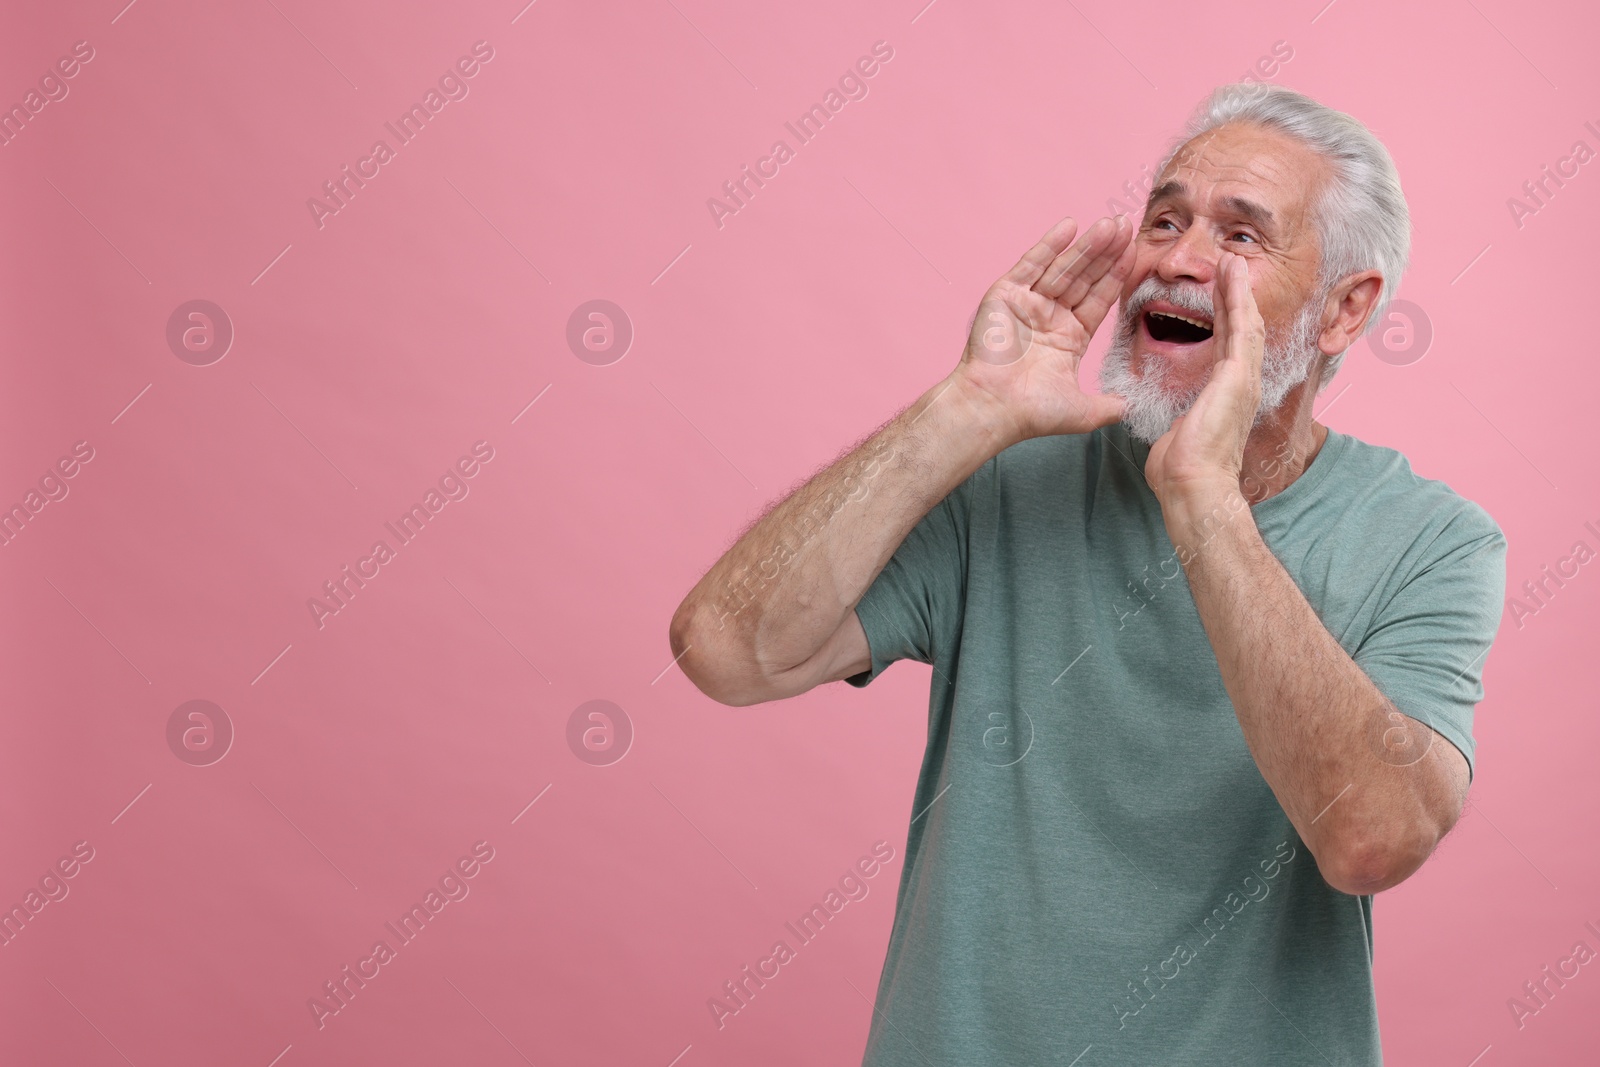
{"x":1192,"y":257}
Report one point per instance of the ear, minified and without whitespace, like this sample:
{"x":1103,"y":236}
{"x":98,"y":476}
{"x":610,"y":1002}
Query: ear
{"x":1347,"y":309}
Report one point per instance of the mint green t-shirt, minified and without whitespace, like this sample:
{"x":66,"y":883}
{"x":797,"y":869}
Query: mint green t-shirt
{"x":1096,"y":871}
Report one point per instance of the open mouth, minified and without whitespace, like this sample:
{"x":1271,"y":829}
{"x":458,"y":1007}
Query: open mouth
{"x":1175,"y":329}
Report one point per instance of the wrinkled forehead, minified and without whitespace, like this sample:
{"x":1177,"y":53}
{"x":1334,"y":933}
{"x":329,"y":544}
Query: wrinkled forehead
{"x":1242,"y":164}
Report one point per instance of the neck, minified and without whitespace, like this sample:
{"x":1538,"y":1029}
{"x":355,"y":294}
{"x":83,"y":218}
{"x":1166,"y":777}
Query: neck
{"x":1283,"y":444}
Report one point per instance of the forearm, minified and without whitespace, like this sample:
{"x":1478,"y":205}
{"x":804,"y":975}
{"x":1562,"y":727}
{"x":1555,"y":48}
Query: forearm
{"x":783,"y":589}
{"x":1313,"y":720}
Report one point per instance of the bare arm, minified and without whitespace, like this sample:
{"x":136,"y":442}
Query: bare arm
{"x":1316,"y":724}
{"x":775,"y":616}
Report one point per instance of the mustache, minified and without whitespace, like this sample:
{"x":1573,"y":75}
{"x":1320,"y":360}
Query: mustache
{"x":1195,"y":297}
{"x":1191,"y":297}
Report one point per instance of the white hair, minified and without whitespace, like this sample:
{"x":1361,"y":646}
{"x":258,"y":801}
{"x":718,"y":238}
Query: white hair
{"x":1361,"y":215}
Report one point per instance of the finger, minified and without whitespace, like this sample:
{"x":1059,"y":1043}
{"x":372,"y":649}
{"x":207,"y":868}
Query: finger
{"x":1080,"y":282}
{"x":1104,"y":409}
{"x":1059,"y":273}
{"x":1091,"y":255}
{"x":1091,"y":309}
{"x":1246,"y":330}
{"x":1096,"y":409}
{"x":1221,"y":325}
{"x":1036,"y":259}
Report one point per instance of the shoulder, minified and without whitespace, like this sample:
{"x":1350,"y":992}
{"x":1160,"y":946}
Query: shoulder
{"x":1377,"y":484}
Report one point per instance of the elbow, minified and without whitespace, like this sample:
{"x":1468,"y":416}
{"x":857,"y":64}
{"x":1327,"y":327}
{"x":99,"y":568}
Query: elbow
{"x":1373,"y":864}
{"x":704,"y":658}
{"x":1361,"y":875}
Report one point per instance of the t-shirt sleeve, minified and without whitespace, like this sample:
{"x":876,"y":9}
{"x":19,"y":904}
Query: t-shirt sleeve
{"x":1428,"y":644}
{"x":912,"y":609}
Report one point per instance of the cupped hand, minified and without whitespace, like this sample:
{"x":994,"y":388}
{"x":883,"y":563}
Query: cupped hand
{"x":1034,"y":325}
{"x":1203,"y":451}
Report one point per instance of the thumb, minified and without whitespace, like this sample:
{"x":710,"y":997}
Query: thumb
{"x":1103,"y":409}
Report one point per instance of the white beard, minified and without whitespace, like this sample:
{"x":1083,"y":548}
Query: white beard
{"x":1153,"y":403}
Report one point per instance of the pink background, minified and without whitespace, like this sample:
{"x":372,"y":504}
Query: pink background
{"x":372,"y":352}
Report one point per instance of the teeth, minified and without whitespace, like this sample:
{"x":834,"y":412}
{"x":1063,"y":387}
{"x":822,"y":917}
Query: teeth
{"x":1183,"y":318}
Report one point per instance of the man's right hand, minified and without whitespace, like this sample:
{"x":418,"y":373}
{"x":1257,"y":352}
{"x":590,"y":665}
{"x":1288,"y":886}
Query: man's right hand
{"x":775,"y":616}
{"x":1034,"y":325}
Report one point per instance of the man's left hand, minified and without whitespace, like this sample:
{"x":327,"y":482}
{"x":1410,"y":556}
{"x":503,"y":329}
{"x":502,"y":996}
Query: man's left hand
{"x":1201,"y":456}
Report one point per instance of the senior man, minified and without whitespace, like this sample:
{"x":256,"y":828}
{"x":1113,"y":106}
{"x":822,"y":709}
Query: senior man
{"x":1193,"y":651}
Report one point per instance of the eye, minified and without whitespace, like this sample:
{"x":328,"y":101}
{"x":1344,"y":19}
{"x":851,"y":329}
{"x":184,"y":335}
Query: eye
{"x":1162,"y":221}
{"x":1241,"y":233}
